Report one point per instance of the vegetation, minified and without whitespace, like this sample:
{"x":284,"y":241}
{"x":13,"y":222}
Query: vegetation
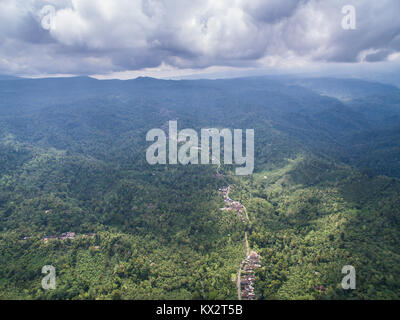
{"x":324,"y":193}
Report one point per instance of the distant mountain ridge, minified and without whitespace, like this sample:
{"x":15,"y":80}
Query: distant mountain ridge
{"x":6,"y":77}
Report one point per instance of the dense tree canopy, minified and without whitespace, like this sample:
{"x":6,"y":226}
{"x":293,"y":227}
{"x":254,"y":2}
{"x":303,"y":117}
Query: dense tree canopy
{"x":324,"y":194}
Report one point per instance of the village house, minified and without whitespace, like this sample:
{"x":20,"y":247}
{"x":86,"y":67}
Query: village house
{"x":67,"y":235}
{"x":63,"y":236}
{"x":252,"y":261}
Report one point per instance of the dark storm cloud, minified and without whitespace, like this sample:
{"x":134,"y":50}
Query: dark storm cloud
{"x":272,"y":11}
{"x":378,"y":56}
{"x":93,"y":36}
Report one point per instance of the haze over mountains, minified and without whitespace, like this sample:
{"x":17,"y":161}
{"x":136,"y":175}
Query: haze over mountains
{"x":312,"y":112}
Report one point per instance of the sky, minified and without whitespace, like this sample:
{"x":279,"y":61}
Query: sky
{"x":183,"y":38}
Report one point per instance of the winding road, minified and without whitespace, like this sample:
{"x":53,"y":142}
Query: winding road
{"x":238,"y":281}
{"x":247,"y":253}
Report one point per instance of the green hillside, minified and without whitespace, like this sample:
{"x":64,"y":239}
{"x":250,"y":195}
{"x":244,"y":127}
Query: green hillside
{"x":324,"y":193}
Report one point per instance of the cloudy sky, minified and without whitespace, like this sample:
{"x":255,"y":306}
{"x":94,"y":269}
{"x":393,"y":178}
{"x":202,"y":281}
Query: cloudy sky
{"x":127,"y":38}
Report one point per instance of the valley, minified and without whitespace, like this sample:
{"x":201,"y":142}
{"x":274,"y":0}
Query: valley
{"x":324,"y":192}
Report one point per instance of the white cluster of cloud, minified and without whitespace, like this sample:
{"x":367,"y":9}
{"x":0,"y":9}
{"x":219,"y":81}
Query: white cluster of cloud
{"x":102,"y":36}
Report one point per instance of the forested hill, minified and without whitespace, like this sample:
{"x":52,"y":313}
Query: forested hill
{"x":324,"y":193}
